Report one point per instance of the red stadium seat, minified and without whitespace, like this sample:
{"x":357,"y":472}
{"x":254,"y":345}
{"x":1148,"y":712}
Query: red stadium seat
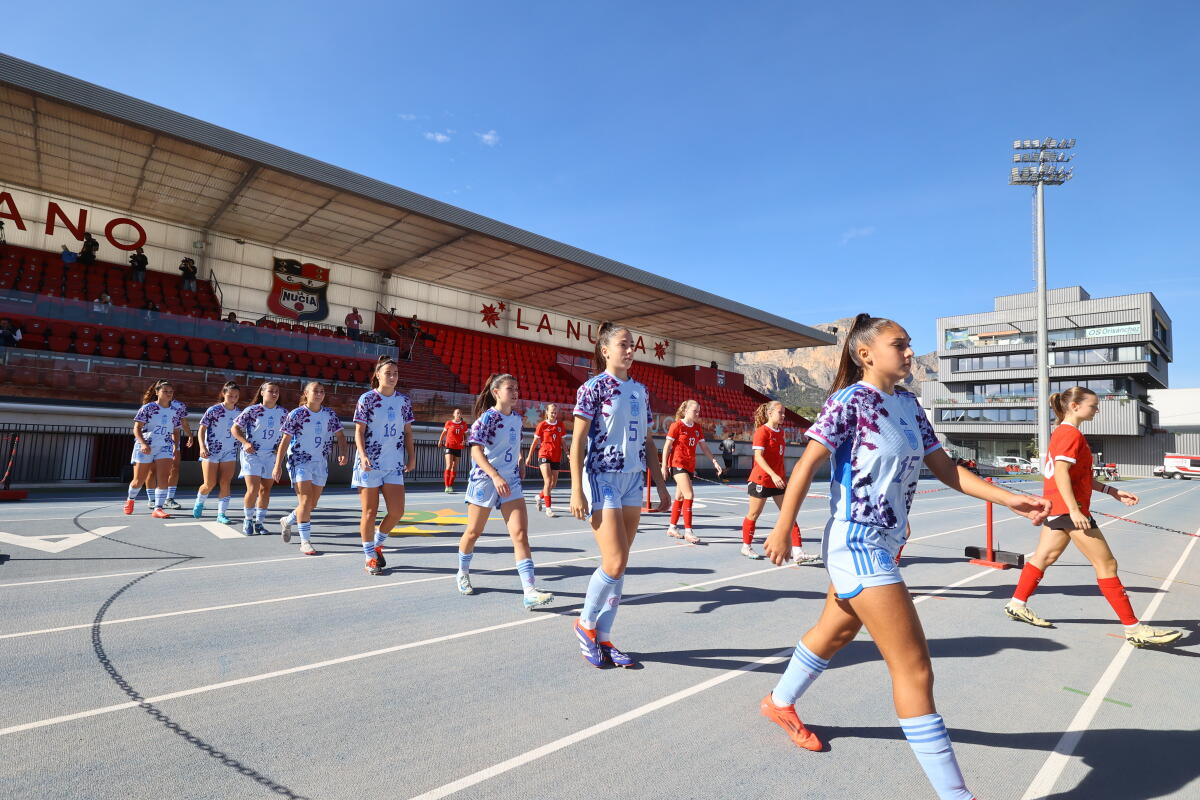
{"x":304,"y":357}
{"x":156,"y":354}
{"x":156,"y":340}
{"x":295,"y":368}
{"x":221,"y":361}
{"x":111,"y":350}
{"x":271,"y":355}
{"x":59,"y":344}
{"x":197,"y":345}
{"x":312,"y":371}
{"x":287,"y":356}
{"x":345,"y":375}
{"x":258,"y":365}
{"x":134,"y":338}
{"x":60,"y":330}
{"x":328,"y":373}
{"x":178,"y":355}
{"x":199,"y":359}
{"x":320,"y":360}
{"x":177,"y":343}
{"x":216,"y":348}
{"x":278,"y":368}
{"x":254,"y":351}
{"x":85,"y":347}
{"x":235,"y":350}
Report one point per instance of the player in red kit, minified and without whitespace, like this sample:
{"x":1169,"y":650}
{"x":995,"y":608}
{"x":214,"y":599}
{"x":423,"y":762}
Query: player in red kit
{"x":548,"y":443}
{"x":679,"y":461}
{"x":767,"y":479}
{"x":454,"y":435}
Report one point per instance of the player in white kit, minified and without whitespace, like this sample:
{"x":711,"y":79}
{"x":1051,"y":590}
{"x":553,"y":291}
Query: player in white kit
{"x":258,"y":429}
{"x":153,"y":445}
{"x":876,"y":436}
{"x":308,"y":436}
{"x":218,"y":452}
{"x":495,"y":482}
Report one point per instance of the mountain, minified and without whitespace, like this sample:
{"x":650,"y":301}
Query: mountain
{"x":800,"y":377}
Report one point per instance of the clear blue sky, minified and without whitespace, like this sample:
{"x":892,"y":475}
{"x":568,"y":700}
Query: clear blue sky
{"x":811,"y":159}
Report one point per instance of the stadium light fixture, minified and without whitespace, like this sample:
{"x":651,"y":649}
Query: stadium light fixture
{"x":1045,"y":154}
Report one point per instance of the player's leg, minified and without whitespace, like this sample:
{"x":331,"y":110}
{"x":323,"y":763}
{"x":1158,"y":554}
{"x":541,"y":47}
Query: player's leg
{"x":210,"y":475}
{"x":173,"y":477}
{"x":368,"y":499}
{"x":248,"y":512}
{"x":262,"y":502}
{"x":307,"y":495}
{"x":162,"y":471}
{"x":477,"y":516}
{"x":548,"y":476}
{"x":1051,"y":545}
{"x":799,"y":556}
{"x":225,"y":474}
{"x":686,"y":495}
{"x":516,"y":519}
{"x":754,"y":509}
{"x":393,"y":498}
{"x":141,"y":474}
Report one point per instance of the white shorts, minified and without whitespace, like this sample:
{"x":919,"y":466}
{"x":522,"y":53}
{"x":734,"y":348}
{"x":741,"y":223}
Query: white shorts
{"x":373,"y":479}
{"x":257,"y":465}
{"x":222,"y":458}
{"x":316,"y":472}
{"x":482,"y":492}
{"x":614,"y":489}
{"x":858,"y":556}
{"x":158,"y":452}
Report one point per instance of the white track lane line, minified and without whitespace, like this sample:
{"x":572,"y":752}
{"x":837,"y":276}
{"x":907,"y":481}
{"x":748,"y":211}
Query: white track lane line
{"x":1043,"y":783}
{"x":579,"y":736}
{"x":354,"y":657}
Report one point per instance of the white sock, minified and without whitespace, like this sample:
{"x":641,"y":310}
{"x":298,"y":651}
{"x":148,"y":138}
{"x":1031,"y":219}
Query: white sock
{"x":201,"y":497}
{"x":380,"y":537}
{"x":261,"y":514}
{"x":223,"y":506}
{"x":1015,"y":603}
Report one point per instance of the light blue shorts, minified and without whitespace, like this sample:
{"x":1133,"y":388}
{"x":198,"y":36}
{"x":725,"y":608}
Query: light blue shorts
{"x":222,"y":458}
{"x":614,"y":489}
{"x":257,"y":465}
{"x":858,"y":556}
{"x":374,"y":478}
{"x":158,"y":452}
{"x":316,"y":472}
{"x":482,"y":492}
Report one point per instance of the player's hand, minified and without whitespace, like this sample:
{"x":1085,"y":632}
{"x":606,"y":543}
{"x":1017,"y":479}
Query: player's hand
{"x":778,"y":547}
{"x":277,"y":475}
{"x":579,"y":506}
{"x":1080,"y":521}
{"x":341,"y":460}
{"x":1128,"y":498}
{"x":146,"y":450}
{"x":779,"y":482}
{"x":502,"y":487}
{"x":203,"y":452}
{"x":1035,"y":509}
{"x":190,"y":440}
{"x":250,"y":448}
{"x":409,"y":468}
{"x":664,"y":500}
{"x":364,"y":464}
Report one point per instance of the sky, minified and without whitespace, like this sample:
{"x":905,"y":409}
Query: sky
{"x":811,"y":159}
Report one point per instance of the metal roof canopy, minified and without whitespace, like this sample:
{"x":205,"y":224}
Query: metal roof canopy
{"x":64,"y":136}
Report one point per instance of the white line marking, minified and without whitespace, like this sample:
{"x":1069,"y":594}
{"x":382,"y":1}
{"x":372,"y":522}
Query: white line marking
{"x":347,"y":659}
{"x":215,"y":528}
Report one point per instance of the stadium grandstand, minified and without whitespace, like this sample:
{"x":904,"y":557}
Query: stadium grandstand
{"x":252,"y":258}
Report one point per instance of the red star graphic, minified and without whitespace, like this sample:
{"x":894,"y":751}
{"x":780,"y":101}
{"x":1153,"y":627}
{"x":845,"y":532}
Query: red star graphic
{"x":490,"y":315}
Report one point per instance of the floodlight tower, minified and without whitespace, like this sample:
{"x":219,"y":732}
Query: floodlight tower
{"x":1040,"y":164}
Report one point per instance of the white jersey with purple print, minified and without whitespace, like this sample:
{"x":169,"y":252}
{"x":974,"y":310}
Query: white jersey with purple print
{"x":263,"y":427}
{"x":158,"y":429}
{"x":877,"y":443}
{"x":620,"y":417}
{"x":500,"y":437}
{"x":384,"y":418}
{"x":218,"y":431}
{"x":312,"y":435}
{"x":181,"y":412}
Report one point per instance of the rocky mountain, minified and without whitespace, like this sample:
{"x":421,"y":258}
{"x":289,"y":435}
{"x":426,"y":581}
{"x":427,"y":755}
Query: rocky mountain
{"x":801,"y":377}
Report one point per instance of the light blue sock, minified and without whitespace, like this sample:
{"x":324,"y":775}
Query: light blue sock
{"x":305,"y":530}
{"x":223,"y":506}
{"x":248,"y":513}
{"x":133,"y":493}
{"x":200,"y":498}
{"x":525,"y":570}
{"x":804,"y":668}
{"x":160,"y":497}
{"x":608,"y":616}
{"x":381,"y":537}
{"x":928,"y":738}
{"x":261,"y":514}
{"x":600,"y":588}
{"x":171,"y":492}
{"x":464,"y":562}
{"x":369,"y":549}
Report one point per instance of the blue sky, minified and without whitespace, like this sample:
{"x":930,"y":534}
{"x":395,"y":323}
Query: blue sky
{"x":811,"y":159}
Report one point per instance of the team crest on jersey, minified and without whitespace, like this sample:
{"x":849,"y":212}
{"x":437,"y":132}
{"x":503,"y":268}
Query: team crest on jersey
{"x":299,"y":290}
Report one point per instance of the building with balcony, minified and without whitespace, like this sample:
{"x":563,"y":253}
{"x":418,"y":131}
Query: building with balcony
{"x":984,"y":401}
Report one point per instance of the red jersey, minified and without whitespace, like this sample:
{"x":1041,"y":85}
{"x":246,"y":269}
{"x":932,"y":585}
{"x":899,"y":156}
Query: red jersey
{"x":772,"y":444}
{"x":684,"y":438}
{"x":456,"y":434}
{"x":550,"y":439}
{"x":1068,"y":450}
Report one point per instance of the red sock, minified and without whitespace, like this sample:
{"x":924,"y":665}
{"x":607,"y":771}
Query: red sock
{"x":747,"y":531}
{"x":1031,"y":576}
{"x":676,"y":507}
{"x":1114,"y":593}
{"x":796,"y":540}
{"x":687,"y":513}
{"x":446,"y":477}
{"x":546,"y":497}
{"x":453,"y":475}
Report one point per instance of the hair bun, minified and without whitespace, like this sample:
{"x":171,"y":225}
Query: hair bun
{"x":860,"y":320}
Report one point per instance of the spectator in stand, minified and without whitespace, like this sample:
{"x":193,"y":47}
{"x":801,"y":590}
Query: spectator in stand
{"x":187,"y":268}
{"x":414,"y":327}
{"x":340,"y":332}
{"x":102,"y":304}
{"x":353,"y":322}
{"x":152,"y":309}
{"x":231,"y":321}
{"x":137,"y":266}
{"x":88,"y":250}
{"x":68,"y":255}
{"x":10,"y":336}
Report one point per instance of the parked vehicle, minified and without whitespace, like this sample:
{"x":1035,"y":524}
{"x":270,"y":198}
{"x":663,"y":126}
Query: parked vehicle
{"x":1015,"y":464}
{"x":1178,"y":466}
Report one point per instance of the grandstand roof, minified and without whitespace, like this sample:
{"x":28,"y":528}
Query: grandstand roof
{"x":64,"y":136}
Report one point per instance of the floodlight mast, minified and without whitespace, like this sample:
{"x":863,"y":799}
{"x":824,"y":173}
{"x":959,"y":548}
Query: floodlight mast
{"x":1041,"y":155}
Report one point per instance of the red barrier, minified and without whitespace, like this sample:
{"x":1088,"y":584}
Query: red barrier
{"x":989,"y":556}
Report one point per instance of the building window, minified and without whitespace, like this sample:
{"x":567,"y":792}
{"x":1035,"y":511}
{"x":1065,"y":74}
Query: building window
{"x":998,"y":415}
{"x":1161,"y":331}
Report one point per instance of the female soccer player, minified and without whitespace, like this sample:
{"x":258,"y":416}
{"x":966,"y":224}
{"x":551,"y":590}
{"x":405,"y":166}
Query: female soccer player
{"x":495,"y":482}
{"x":154,"y":445}
{"x":548,"y":442}
{"x":877,"y":437}
{"x":383,"y":437}
{"x":679,"y":460}
{"x":1069,"y":486}
{"x":181,"y":425}
{"x":610,"y":452}
{"x":258,"y":429}
{"x":218,"y":451}
{"x":766,"y":479}
{"x":308,"y":436}
{"x":453,"y":434}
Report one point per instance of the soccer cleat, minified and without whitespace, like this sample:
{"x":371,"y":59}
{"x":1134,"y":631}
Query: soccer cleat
{"x":588,"y":647}
{"x":223,"y":518}
{"x":379,"y":557}
{"x":372,"y":567}
{"x":449,"y":490}
{"x":1145,"y":636}
{"x":749,"y":553}
{"x":259,"y":528}
{"x":128,"y":506}
{"x":247,"y":527}
{"x":158,"y":513}
{"x":618,"y":658}
{"x":1025,"y":614}
{"x":172,"y":504}
{"x":800,"y":557}
{"x":285,"y":528}
{"x":786,"y":718}
{"x":550,"y":513}
{"x":308,"y":549}
{"x":198,"y":509}
{"x":464,"y":583}
{"x":541,"y":504}
{"x":690,"y":536}
{"x":673,"y":532}
{"x":536,"y":597}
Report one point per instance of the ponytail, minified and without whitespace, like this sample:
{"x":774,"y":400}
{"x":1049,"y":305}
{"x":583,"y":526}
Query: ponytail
{"x":486,"y":399}
{"x":763,"y":412}
{"x":1060,"y":402}
{"x":862,"y":332}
